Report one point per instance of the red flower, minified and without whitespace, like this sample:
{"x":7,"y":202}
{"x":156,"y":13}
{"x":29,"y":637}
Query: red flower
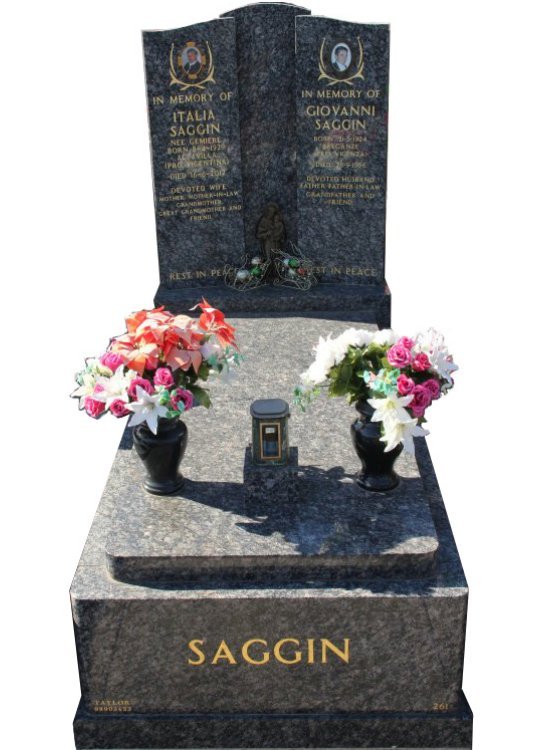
{"x":213,"y":321}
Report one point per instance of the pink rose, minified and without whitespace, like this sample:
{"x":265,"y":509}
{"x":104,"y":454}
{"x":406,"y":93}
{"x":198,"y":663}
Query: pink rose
{"x":111,"y":360}
{"x":406,"y":342}
{"x":433,"y":387}
{"x":93,"y":407}
{"x":405,"y":385}
{"x":398,"y":356}
{"x":118,"y":408}
{"x":163,"y":376}
{"x":421,"y":400}
{"x":180,"y":395}
{"x":421,"y":362}
{"x":142,"y":383}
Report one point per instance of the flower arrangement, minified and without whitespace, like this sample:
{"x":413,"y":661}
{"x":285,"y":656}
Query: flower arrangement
{"x":399,"y":377}
{"x":153,"y":369}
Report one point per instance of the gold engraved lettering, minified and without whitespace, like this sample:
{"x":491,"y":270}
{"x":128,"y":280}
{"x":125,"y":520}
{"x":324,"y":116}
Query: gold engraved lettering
{"x":265,"y":656}
{"x":223,"y":652}
{"x":194,"y":646}
{"x":327,"y":645}
{"x":279,"y":656}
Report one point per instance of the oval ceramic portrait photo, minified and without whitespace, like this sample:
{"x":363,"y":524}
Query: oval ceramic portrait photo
{"x":191,"y":60}
{"x":341,"y":57}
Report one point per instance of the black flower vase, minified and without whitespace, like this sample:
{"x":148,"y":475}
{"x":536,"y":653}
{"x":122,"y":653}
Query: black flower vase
{"x":161,"y":454}
{"x":377,"y":473}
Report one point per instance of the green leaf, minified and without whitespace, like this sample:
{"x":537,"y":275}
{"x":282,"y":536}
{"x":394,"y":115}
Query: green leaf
{"x":202,"y":396}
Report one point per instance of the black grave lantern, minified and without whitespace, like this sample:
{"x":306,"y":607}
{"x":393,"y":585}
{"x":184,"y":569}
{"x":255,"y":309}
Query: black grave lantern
{"x":270,"y":443}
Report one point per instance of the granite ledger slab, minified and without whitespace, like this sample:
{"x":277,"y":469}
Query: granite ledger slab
{"x":401,"y":638}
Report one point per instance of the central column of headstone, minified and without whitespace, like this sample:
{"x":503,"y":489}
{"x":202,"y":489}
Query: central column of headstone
{"x":265,"y":50}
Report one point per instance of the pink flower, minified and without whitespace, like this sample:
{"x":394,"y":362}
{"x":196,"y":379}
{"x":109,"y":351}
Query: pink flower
{"x":433,"y":387}
{"x":405,"y":385}
{"x":421,"y":362}
{"x":421,"y":400}
{"x":142,"y":383}
{"x":163,"y":376}
{"x":181,"y":395}
{"x":111,"y":360}
{"x":118,"y":408}
{"x":406,"y":342}
{"x":398,"y":356}
{"x":94,"y":407}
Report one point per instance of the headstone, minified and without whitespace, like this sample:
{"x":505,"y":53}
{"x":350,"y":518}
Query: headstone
{"x":298,"y":138}
{"x":193,"y":115}
{"x":342,"y":118}
{"x":265,"y":49}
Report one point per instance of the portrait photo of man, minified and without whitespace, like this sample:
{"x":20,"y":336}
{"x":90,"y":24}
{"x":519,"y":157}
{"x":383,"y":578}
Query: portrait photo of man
{"x":341,"y":57}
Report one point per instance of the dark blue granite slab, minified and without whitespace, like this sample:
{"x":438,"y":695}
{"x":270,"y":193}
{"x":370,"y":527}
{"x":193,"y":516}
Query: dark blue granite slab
{"x":342,"y":130}
{"x":214,"y":531}
{"x":195,"y":141}
{"x":450,"y":730}
{"x":265,"y":50}
{"x":368,"y":302}
{"x":406,"y":635}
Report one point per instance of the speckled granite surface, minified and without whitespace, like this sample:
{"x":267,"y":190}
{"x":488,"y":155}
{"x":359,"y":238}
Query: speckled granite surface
{"x":370,"y":302}
{"x":212,"y":531}
{"x":196,"y":159}
{"x":265,"y":53}
{"x":406,"y":635}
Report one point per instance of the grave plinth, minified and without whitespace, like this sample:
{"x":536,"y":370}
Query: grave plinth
{"x":205,"y":620}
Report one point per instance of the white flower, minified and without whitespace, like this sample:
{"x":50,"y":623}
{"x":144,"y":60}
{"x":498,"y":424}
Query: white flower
{"x":386,"y":337}
{"x":96,"y":368}
{"x":399,"y":426}
{"x":85,"y":389}
{"x":351,"y":337}
{"x":146,"y":409}
{"x":114,"y":387}
{"x":402,"y":432}
{"x":315,"y":374}
{"x":429,"y":341}
{"x":443,"y":364}
{"x":208,"y":349}
{"x":391,"y":408}
{"x":432,"y":343}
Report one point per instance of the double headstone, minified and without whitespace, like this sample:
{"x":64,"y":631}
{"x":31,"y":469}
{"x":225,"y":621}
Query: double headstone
{"x":270,"y":106}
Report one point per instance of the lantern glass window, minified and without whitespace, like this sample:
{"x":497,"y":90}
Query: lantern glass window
{"x":270,"y":440}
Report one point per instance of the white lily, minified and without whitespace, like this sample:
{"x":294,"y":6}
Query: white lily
{"x":146,"y":409}
{"x":114,"y":387}
{"x":443,"y":364}
{"x":399,"y":426}
{"x":85,"y":389}
{"x":391,"y":408}
{"x":402,"y":432}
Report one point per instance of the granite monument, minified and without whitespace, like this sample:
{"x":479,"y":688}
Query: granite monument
{"x":267,"y":123}
{"x":250,"y":614}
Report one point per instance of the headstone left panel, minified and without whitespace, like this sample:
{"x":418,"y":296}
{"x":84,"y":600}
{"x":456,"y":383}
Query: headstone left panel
{"x":192,"y":94}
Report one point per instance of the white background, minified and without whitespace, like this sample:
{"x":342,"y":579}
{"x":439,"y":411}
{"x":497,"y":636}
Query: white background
{"x":78,"y":252}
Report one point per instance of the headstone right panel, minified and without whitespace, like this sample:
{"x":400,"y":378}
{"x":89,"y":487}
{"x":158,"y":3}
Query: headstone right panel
{"x":342,"y":130}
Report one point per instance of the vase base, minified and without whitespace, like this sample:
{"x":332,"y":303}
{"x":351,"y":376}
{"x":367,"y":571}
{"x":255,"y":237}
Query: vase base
{"x":377,"y":483}
{"x":164,"y":488}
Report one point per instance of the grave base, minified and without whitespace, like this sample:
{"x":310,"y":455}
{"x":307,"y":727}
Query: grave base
{"x":426,"y":731}
{"x":367,"y":302}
